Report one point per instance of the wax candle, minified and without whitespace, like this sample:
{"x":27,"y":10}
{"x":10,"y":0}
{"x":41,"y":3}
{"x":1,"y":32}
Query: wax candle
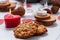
{"x":12,"y":21}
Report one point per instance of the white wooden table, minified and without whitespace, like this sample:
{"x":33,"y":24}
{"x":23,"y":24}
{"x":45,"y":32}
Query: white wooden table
{"x":52,"y":34}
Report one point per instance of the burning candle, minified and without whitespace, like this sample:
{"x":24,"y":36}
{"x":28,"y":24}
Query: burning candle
{"x":12,"y":21}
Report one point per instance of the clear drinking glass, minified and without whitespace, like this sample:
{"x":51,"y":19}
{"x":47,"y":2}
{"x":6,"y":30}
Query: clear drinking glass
{"x":28,"y":9}
{"x":44,"y":4}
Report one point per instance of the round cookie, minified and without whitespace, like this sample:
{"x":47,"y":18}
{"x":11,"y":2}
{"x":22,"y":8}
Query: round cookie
{"x":19,"y":11}
{"x":25,"y":30}
{"x":42,"y":17}
{"x":54,"y":9}
{"x":41,"y":29}
{"x":4,"y":5}
{"x":46,"y":22}
{"x":55,"y":2}
{"x":12,"y":6}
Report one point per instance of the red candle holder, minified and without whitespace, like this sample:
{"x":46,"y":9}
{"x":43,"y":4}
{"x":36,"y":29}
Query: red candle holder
{"x":12,"y":21}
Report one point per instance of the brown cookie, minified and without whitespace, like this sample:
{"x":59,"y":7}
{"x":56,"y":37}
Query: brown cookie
{"x":42,"y":17}
{"x":54,"y":9}
{"x":19,"y":11}
{"x":55,"y":2}
{"x":4,"y":5}
{"x":12,"y":6}
{"x":47,"y":22}
{"x":25,"y":30}
{"x":41,"y":29}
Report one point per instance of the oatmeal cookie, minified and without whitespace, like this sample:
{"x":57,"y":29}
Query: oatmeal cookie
{"x":41,"y":29}
{"x":25,"y":30}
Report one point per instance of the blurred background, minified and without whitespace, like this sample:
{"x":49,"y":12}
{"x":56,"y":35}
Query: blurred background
{"x":37,"y":1}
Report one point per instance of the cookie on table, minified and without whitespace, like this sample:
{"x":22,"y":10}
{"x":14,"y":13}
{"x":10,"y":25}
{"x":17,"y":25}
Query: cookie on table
{"x":41,"y":29}
{"x":42,"y":17}
{"x":12,"y":6}
{"x":25,"y":30}
{"x":47,"y":22}
{"x":54,"y":9}
{"x":19,"y":11}
{"x":4,"y":5}
{"x":55,"y":2}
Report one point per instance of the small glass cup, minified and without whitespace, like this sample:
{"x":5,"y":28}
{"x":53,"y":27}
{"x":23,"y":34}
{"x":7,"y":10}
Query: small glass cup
{"x":28,"y":10}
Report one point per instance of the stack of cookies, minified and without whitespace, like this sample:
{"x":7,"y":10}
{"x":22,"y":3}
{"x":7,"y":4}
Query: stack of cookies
{"x":5,"y":5}
{"x":45,"y":19}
